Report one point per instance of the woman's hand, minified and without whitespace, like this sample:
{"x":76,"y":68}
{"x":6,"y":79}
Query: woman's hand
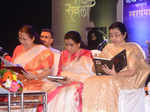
{"x":109,"y":71}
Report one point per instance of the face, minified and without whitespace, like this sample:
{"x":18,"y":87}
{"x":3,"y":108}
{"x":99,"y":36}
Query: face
{"x":71,"y":46}
{"x":46,"y":38}
{"x":25,"y":40}
{"x":116,"y":36}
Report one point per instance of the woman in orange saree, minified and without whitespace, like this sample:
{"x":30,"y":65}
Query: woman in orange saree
{"x":36,"y":59}
{"x":100,"y":93}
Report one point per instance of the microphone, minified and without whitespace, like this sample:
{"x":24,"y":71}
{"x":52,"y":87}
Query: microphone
{"x":102,"y":45}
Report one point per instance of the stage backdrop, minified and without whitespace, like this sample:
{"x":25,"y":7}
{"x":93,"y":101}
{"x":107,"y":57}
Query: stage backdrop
{"x":136,"y":16}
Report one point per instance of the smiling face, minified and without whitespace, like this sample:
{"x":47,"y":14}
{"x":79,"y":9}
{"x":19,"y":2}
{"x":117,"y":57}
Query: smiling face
{"x":71,"y":46}
{"x":116,"y":36}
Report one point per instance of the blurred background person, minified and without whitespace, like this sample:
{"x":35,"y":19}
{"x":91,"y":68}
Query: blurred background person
{"x":47,"y":38}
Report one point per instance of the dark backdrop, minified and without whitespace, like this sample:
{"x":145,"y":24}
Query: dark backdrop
{"x":15,"y":13}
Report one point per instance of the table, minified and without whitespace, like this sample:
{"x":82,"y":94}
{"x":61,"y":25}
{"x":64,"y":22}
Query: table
{"x":21,"y":102}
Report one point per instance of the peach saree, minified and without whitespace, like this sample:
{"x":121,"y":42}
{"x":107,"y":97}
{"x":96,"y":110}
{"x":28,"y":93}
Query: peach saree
{"x":100,"y":93}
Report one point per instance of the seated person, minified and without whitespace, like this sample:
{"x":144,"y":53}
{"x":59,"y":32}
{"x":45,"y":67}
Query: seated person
{"x":100,"y":93}
{"x":75,"y":63}
{"x":47,"y":39}
{"x":35,"y":58}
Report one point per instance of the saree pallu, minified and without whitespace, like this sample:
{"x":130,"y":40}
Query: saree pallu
{"x":34,"y":61}
{"x":103,"y":91}
{"x":68,"y":98}
{"x":58,"y":95}
{"x":78,"y":67}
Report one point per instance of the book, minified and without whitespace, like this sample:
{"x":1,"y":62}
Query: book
{"x":14,"y":67}
{"x":119,"y":61}
{"x":56,"y":77}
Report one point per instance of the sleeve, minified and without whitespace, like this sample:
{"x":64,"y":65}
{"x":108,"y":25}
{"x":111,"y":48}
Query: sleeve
{"x":16,"y":51}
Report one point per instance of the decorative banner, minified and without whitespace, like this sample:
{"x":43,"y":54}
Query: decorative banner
{"x":79,"y":7}
{"x":136,"y":15}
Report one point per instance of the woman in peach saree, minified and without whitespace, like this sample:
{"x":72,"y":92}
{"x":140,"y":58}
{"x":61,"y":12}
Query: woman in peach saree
{"x":100,"y":93}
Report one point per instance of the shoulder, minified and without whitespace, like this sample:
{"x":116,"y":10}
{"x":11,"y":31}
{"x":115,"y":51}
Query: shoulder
{"x":85,"y":52}
{"x":44,"y":50}
{"x":136,"y":48}
{"x":18,"y":48}
{"x":55,"y":50}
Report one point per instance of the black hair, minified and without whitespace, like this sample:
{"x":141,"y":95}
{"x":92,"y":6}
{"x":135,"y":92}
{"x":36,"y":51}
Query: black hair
{"x":48,"y":30}
{"x":120,"y":26}
{"x":74,"y":35}
{"x":31,"y":32}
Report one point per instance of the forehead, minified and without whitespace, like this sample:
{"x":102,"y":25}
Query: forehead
{"x":46,"y":33}
{"x":114,"y":30}
{"x":69,"y":41}
{"x":24,"y":34}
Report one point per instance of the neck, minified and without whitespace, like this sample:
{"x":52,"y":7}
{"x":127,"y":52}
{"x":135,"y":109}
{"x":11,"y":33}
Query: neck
{"x":119,"y":44}
{"x":29,"y":47}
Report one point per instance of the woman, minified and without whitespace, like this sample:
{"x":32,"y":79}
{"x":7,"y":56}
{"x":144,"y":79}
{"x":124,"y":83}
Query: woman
{"x":75,"y":63}
{"x":36,"y":59}
{"x":103,"y":90}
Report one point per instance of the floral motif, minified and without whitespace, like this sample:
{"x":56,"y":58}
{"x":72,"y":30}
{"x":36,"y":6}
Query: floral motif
{"x":8,"y":80}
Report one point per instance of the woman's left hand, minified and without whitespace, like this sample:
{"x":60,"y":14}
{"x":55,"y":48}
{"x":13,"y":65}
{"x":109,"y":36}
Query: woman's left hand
{"x":109,"y":71}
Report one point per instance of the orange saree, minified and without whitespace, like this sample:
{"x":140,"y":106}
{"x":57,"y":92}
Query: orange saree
{"x":35,"y":60}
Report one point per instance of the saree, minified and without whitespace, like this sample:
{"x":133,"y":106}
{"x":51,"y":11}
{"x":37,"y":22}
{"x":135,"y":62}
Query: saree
{"x":34,"y":61}
{"x":104,"y":90}
{"x":76,"y":68}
